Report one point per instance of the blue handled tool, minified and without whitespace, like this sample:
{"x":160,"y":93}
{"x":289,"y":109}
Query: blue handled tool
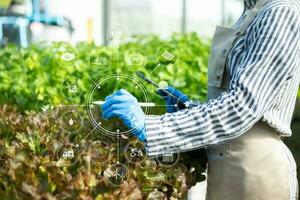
{"x":141,"y":75}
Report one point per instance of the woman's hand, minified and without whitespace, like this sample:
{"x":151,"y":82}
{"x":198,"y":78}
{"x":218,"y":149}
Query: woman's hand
{"x":173,"y":105}
{"x":125,"y":106}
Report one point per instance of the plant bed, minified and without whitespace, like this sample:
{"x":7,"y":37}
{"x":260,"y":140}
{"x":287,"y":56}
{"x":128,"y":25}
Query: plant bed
{"x":31,"y":168}
{"x":42,"y":158}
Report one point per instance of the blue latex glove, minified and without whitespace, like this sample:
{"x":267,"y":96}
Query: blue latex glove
{"x":123,"y":105}
{"x":172,"y":104}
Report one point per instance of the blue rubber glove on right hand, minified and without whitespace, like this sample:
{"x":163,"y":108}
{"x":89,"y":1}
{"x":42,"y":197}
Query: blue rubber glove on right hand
{"x":173,"y":105}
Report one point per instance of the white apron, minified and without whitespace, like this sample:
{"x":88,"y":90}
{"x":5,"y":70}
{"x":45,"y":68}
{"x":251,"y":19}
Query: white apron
{"x":257,"y":165}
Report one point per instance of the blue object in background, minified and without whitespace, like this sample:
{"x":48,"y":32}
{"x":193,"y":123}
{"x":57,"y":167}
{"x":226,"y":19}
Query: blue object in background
{"x":17,"y":26}
{"x":21,"y":24}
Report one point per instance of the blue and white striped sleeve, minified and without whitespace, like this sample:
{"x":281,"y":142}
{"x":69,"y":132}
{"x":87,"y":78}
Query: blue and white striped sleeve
{"x":268,"y":62}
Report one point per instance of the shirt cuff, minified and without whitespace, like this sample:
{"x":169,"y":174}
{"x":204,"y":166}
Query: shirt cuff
{"x":153,"y":134}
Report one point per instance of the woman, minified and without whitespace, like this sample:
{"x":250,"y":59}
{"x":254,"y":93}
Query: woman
{"x":253,"y":78}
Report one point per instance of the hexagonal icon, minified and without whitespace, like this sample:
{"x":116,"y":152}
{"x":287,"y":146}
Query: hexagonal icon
{"x":99,"y":152}
{"x":71,"y":89}
{"x":116,"y":174}
{"x":167,"y":55}
{"x":135,"y":152}
{"x":71,"y":121}
{"x":45,"y":105}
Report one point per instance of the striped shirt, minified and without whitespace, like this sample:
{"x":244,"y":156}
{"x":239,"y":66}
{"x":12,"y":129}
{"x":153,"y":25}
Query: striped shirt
{"x":264,"y":70}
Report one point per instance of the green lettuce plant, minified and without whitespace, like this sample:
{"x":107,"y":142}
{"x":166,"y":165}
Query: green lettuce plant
{"x":30,"y":140}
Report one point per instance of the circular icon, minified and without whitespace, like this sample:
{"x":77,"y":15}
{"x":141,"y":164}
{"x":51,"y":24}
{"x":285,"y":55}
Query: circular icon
{"x":99,"y":65}
{"x":101,"y":89}
{"x":45,"y":105}
{"x":66,"y":57}
{"x":71,"y":121}
{"x":100,"y":60}
{"x":67,"y":156}
{"x":99,"y":152}
{"x":135,"y":58}
{"x":168,"y":159}
{"x":167,"y":55}
{"x":116,"y":174}
{"x":116,"y":35}
{"x":71,"y":89}
{"x":135,"y":152}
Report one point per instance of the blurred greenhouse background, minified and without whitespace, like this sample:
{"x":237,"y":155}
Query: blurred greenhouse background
{"x":23,"y":22}
{"x":90,"y":20}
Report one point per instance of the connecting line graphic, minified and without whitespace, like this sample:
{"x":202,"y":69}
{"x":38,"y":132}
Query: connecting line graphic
{"x":72,"y":105}
{"x":118,"y":153}
{"x":119,"y":145}
{"x":89,"y":77}
{"x":87,"y":135}
{"x":117,"y":76}
{"x":166,"y":105}
{"x":83,"y":105}
{"x":118,"y":61}
{"x":158,"y":65}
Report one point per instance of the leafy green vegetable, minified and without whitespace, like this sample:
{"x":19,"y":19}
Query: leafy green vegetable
{"x":31,"y":168}
{"x":38,"y":72}
{"x":32,"y":140}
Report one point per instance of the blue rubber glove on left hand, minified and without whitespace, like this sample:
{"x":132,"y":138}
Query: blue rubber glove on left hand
{"x":125,"y":106}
